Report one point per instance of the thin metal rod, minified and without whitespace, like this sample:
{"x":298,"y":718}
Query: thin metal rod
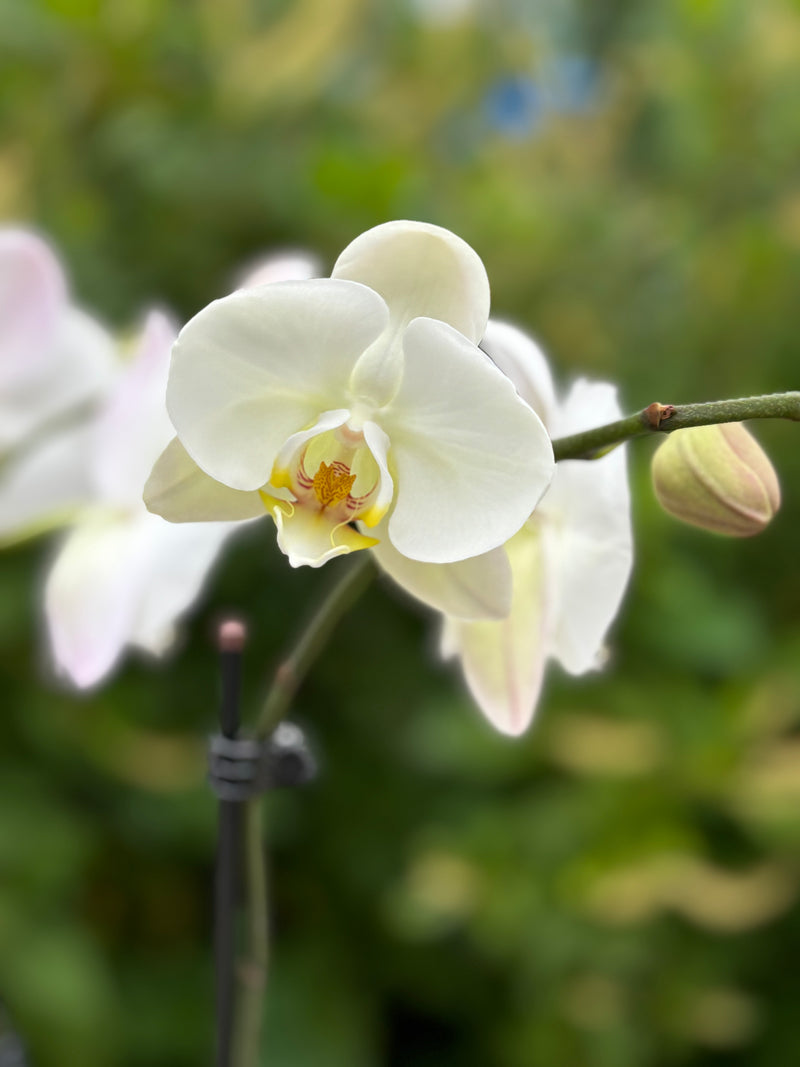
{"x":231,"y":639}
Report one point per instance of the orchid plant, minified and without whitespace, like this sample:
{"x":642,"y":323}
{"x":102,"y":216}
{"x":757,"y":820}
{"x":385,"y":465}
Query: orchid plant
{"x":377,"y":411}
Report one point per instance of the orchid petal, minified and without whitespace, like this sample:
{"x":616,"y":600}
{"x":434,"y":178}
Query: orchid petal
{"x":520,"y":359}
{"x":79,"y":368}
{"x":503,"y":661}
{"x":134,"y":427}
{"x":328,"y":420}
{"x":475,"y":588}
{"x":121,"y":580}
{"x":592,"y":545}
{"x":253,"y":368}
{"x":289,"y":266}
{"x":310,"y":538}
{"x":32,"y":296}
{"x":180,"y":560}
{"x":44,"y":486}
{"x":471,"y":458}
{"x":378,"y":443}
{"x":420,"y":270}
{"x":91,"y":595}
{"x":179,"y":491}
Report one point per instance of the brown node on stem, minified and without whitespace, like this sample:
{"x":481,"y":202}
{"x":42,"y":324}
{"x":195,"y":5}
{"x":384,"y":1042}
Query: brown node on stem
{"x":655,"y":413}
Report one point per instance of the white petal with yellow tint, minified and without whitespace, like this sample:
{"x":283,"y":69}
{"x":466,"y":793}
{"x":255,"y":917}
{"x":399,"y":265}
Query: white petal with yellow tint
{"x":328,"y":420}
{"x":378,"y":444}
{"x":261,"y":364}
{"x":591,"y":537}
{"x":471,"y":458}
{"x":179,"y":491}
{"x":310,"y":537}
{"x":503,"y":661}
{"x":475,"y":588}
{"x":420,"y":270}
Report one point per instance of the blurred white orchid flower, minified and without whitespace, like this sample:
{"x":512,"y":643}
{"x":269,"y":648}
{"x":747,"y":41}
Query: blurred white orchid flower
{"x":566,"y":569}
{"x":357,"y":397}
{"x":56,"y":364}
{"x":53,"y":357}
{"x":122,"y":576}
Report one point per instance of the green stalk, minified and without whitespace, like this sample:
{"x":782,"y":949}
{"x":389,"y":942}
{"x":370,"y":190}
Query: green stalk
{"x":286,"y":680}
{"x":664,"y":418}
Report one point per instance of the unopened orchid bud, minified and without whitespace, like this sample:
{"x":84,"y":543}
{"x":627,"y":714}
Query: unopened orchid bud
{"x":717,"y":477}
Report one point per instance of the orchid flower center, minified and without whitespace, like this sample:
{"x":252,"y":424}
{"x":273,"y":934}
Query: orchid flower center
{"x":332,"y":482}
{"x":332,"y":479}
{"x":335,"y":473}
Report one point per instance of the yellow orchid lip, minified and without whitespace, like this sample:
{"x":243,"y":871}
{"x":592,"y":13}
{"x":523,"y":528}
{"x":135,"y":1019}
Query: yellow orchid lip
{"x":309,"y":536}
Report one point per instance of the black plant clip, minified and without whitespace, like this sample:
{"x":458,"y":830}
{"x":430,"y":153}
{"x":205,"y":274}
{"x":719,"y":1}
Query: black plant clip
{"x":240,"y":768}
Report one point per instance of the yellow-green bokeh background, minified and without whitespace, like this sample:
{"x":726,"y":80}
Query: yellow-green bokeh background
{"x":620,"y":887}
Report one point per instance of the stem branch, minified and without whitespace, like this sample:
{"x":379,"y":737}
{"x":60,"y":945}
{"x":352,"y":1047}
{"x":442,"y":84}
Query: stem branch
{"x":664,"y":418}
{"x":293,"y":668}
{"x":290,"y":673}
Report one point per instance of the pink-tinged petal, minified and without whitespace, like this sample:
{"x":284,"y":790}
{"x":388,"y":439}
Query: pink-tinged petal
{"x":180,"y":560}
{"x":475,"y":588}
{"x":503,"y":661}
{"x":471,"y":458}
{"x":420,"y":270}
{"x":293,"y":265}
{"x":92,"y":594}
{"x":179,"y":491}
{"x":78,"y":370}
{"x":588,"y":507}
{"x":261,"y":364}
{"x":122,"y":580}
{"x":520,"y":359}
{"x":32,"y":298}
{"x":45,"y":486}
{"x":134,"y":427}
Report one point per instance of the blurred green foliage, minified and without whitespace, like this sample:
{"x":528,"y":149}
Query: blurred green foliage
{"x":619,"y":888}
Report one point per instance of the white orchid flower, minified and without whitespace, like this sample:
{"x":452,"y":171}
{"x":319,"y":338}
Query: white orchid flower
{"x":360,"y":397}
{"x":569,"y":564}
{"x":54,"y":358}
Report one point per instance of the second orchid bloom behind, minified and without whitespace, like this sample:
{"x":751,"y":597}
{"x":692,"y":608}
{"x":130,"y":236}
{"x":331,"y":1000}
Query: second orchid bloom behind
{"x":563,"y":573}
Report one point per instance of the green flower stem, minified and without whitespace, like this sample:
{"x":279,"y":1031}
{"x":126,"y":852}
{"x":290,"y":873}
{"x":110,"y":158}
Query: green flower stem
{"x":288,"y":677}
{"x":664,"y":418}
{"x":293,"y":669}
